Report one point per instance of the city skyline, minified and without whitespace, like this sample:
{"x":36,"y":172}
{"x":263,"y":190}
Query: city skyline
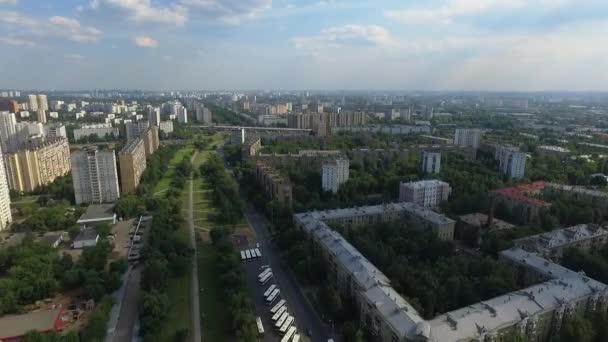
{"x":450,"y":45}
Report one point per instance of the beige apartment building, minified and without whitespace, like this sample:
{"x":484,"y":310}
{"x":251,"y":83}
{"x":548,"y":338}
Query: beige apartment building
{"x":132,"y":161}
{"x":39,"y":163}
{"x":151,"y":142}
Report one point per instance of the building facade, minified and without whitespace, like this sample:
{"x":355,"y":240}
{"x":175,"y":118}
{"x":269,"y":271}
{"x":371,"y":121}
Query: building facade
{"x":511,"y":161}
{"x":95,"y":176}
{"x":468,"y":137}
{"x":151,"y":142}
{"x":276,"y":186}
{"x":551,"y":245}
{"x":5,"y":200}
{"x":334,"y":173}
{"x":154,"y":116}
{"x":132,"y":159}
{"x":39,"y":163}
{"x":99,"y":130}
{"x":135,"y":129}
{"x":166,"y":126}
{"x":431,"y":162}
{"x":426,"y":193}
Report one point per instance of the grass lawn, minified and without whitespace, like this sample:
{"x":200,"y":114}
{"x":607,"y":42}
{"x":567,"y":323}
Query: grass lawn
{"x":213,"y":313}
{"x":164,"y":182}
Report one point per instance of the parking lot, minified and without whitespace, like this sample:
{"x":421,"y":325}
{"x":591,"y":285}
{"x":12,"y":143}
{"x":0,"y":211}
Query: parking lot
{"x":262,"y":310}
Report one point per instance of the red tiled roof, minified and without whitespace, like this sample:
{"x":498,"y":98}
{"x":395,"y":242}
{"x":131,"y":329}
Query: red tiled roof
{"x":520,"y":193}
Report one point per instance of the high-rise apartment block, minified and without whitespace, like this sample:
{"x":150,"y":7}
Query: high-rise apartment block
{"x":10,"y":106}
{"x":426,"y":193}
{"x":8,"y":132}
{"x":94,"y":176}
{"x":334,"y":173}
{"x":154,"y":116}
{"x":41,"y":115}
{"x":55,"y":130}
{"x":5,"y":200}
{"x":511,"y":161}
{"x":431,"y":162}
{"x":467,"y":137}
{"x":132,"y":159}
{"x":151,"y":142}
{"x":99,"y":130}
{"x":39,"y":163}
{"x":166,"y":126}
{"x":36,"y":102}
{"x":135,"y":129}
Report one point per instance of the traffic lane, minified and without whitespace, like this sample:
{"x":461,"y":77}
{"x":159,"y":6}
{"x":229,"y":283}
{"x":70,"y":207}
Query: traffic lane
{"x":129,"y":309}
{"x":304,"y":313}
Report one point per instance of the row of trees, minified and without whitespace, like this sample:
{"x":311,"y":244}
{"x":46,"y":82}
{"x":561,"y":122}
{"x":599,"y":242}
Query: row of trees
{"x":165,"y":256}
{"x":241,"y":326}
{"x":225,"y":190}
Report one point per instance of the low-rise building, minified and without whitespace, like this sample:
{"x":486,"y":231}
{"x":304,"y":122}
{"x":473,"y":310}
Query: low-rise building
{"x":545,"y":150}
{"x":522,"y":202}
{"x":98,"y":130}
{"x":586,"y":237}
{"x":426,"y":193}
{"x":97,"y":214}
{"x":87,"y":237}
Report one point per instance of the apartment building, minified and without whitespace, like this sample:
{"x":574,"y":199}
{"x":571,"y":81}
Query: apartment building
{"x":154,"y":116}
{"x":426,"y":193}
{"x":251,"y":147}
{"x":511,"y":161}
{"x":135,"y":129}
{"x":276,"y":186}
{"x":39,"y":163}
{"x":551,"y":245}
{"x":523,"y":202}
{"x":99,"y":130}
{"x":537,"y":312}
{"x":334,"y":173}
{"x":5,"y":200}
{"x":11,"y":106}
{"x":55,"y":130}
{"x":8,"y":132}
{"x":468,"y":137}
{"x":151,"y":142}
{"x":132,"y":159}
{"x":431,"y":162}
{"x":166,"y":126}
{"x":94,"y":176}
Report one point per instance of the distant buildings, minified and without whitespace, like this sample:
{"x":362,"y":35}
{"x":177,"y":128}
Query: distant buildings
{"x":151,"y":140}
{"x":55,"y":130}
{"x":334,"y":173}
{"x":5,"y":200}
{"x":95,"y":176}
{"x":203,"y":114}
{"x":431,"y":162}
{"x":511,"y":161}
{"x":99,"y":130}
{"x":545,"y":150}
{"x":135,"y":129}
{"x":426,"y":193}
{"x":276,"y":186}
{"x":36,"y":102}
{"x":132,"y":160}
{"x":469,"y":137}
{"x":39,"y":163}
{"x":166,"y":126}
{"x":392,"y":130}
{"x":10,"y":106}
{"x":41,"y":116}
{"x":154,"y":116}
{"x":8,"y":132}
{"x":586,"y":237}
{"x":323,"y":123}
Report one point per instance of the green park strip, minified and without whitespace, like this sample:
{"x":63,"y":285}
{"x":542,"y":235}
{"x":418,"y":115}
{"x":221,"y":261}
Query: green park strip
{"x":213,"y":312}
{"x":165,"y":182}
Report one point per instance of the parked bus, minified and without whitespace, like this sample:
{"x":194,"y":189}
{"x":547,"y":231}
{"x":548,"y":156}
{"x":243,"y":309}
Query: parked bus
{"x":248,"y":255}
{"x":286,"y":325}
{"x":257,"y":252}
{"x":254,"y":255}
{"x":279,"y":305}
{"x":273,"y":296}
{"x":289,"y":334}
{"x":266,"y":278}
{"x":269,"y":291}
{"x":281,"y":320}
{"x":243,"y":256}
{"x":296,"y":338}
{"x":264,"y":272}
{"x":258,"y":321}
{"x":279,"y":314}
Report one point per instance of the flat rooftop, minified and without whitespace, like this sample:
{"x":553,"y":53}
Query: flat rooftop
{"x":97,"y":212}
{"x":480,"y":219}
{"x":560,"y":237}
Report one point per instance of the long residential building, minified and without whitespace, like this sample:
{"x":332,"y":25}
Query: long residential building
{"x":39,"y":163}
{"x":586,"y":237}
{"x":536,"y":312}
{"x":426,"y":193}
{"x":468,"y":137}
{"x":151,"y":140}
{"x":132,"y":160}
{"x":95,"y":176}
{"x":5,"y":199}
{"x":276,"y":186}
{"x":99,"y":130}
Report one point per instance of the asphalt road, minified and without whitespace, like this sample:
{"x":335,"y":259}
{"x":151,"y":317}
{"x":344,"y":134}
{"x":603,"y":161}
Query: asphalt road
{"x":298,"y":306}
{"x":195,"y":313}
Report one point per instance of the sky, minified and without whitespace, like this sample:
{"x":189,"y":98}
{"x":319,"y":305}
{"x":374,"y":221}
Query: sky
{"x":487,"y":45}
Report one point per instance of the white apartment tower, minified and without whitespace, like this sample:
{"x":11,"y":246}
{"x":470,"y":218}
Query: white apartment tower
{"x":154,"y":116}
{"x":5,"y":200}
{"x":36,"y":102}
{"x":468,"y":137}
{"x":427,"y":193}
{"x":94,"y":176}
{"x":431,"y":162}
{"x":8,"y":131}
{"x":335,"y":173}
{"x":511,"y":161}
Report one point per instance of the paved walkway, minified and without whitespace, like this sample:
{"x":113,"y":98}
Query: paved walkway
{"x":195,"y":313}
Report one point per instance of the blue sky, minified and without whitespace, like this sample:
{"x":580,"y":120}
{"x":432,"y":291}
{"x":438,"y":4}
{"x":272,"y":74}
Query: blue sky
{"x":296,"y":44}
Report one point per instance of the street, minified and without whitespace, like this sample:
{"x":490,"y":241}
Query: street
{"x":305,"y":316}
{"x":195,"y":313}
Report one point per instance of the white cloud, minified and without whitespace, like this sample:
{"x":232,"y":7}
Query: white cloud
{"x":63,"y":27}
{"x":18,"y":42}
{"x":143,"y":11}
{"x":8,"y":2}
{"x":451,"y":10}
{"x":74,"y":56}
{"x":228,"y":11}
{"x":145,"y":42}
{"x":347,"y":35}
